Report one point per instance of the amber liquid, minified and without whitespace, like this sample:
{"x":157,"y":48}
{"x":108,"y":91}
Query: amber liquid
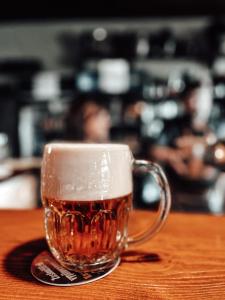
{"x":87,"y":235}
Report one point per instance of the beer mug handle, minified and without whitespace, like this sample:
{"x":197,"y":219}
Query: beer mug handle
{"x":165,"y":201}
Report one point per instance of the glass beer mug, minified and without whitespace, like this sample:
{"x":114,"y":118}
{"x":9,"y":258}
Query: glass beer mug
{"x":87,"y":196}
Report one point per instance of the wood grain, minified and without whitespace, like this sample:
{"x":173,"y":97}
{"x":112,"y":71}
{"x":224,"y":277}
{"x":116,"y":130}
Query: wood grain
{"x":186,"y":260}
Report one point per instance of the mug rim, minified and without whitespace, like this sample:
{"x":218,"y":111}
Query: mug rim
{"x":86,"y":146}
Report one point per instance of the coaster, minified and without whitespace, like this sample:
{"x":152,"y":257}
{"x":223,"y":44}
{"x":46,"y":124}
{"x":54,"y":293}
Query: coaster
{"x":47,"y":270}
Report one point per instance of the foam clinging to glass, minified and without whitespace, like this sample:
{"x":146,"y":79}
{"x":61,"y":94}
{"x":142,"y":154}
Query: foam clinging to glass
{"x":86,"y":171}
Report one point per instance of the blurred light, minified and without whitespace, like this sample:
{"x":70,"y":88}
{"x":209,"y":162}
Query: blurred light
{"x":3,"y":139}
{"x":56,"y":107}
{"x":160,"y":91}
{"x":220,"y":91}
{"x":46,"y":86}
{"x":99,"y":34}
{"x":211,"y":138}
{"x":27,"y":137}
{"x":178,"y":85}
{"x":85,"y":82}
{"x":147,"y":114}
{"x":175,"y":82}
{"x":218,"y":67}
{"x":149,"y":92}
{"x":114,"y":76}
{"x":4,"y":146}
{"x":150,"y":192}
{"x":156,"y":127}
{"x":142,"y":47}
{"x":168,"y":110}
{"x":153,"y":129}
{"x":221,"y":131}
{"x":219,"y":153}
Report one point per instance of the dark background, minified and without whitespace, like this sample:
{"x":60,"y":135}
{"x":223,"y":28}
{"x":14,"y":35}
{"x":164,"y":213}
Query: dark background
{"x":23,"y":11}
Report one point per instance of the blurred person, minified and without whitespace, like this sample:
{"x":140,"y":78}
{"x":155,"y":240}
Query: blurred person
{"x":88,"y":120}
{"x":133,"y":108}
{"x":175,"y":145}
{"x":180,"y":150}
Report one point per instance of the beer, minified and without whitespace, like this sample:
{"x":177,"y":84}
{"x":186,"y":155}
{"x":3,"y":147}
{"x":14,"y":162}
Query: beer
{"x":83,"y":234}
{"x":87,"y":194}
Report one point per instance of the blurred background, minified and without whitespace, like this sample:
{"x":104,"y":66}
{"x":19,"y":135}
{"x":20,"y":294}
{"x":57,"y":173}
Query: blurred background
{"x":151,"y":76}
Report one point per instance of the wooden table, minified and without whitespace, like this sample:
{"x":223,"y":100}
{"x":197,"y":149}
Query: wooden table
{"x":186,"y":260}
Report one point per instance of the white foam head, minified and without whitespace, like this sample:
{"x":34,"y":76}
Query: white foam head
{"x":72,"y":171}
